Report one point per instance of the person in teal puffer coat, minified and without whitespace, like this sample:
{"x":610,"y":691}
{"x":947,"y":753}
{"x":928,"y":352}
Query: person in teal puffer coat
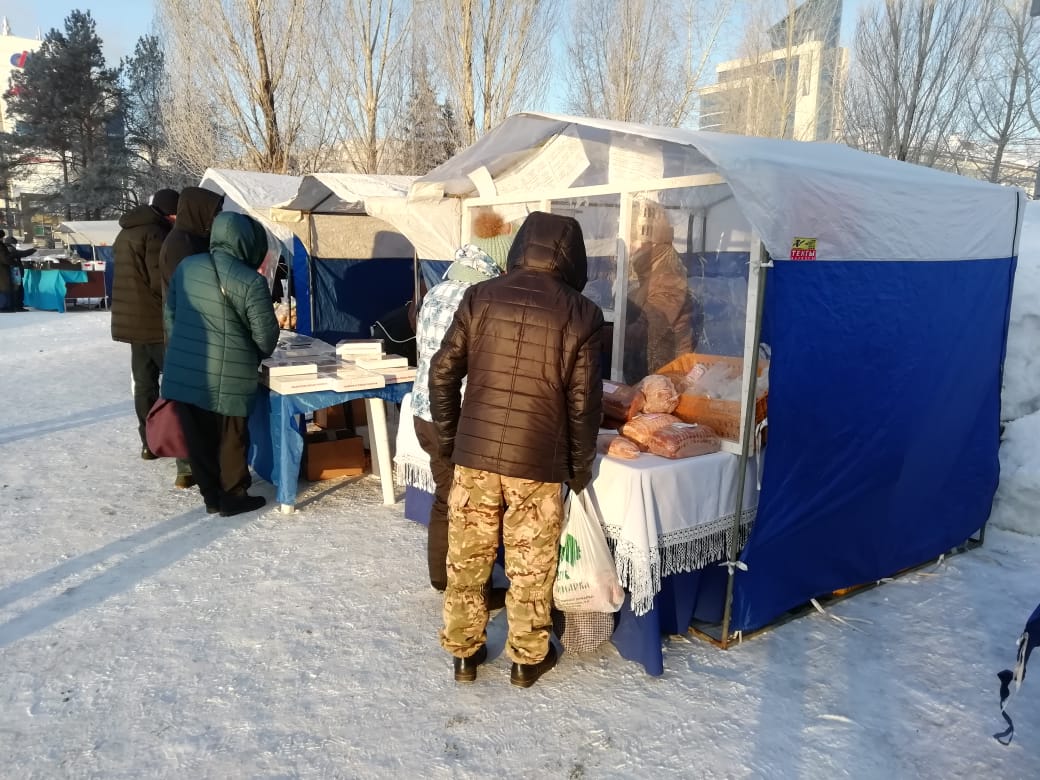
{"x":220,"y":324}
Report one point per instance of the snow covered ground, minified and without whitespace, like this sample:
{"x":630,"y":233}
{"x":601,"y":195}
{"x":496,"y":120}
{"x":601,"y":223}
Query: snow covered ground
{"x":140,"y":637}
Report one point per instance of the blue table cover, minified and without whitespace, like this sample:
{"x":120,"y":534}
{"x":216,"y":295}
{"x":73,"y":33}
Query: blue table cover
{"x":45,"y":289}
{"x":276,"y":435}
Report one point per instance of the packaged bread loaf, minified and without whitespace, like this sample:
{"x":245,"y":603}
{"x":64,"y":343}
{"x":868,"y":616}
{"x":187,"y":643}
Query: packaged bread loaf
{"x":621,"y":402}
{"x":684,"y":440}
{"x":641,"y":427}
{"x":660,"y":395}
{"x":620,"y":447}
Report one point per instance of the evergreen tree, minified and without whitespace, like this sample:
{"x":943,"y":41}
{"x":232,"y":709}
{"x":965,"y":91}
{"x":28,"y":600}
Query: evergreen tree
{"x":145,"y":87}
{"x":430,"y":133}
{"x":66,"y":109}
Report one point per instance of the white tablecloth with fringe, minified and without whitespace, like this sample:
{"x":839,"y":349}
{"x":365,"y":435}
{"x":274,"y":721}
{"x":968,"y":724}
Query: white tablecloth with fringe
{"x":411,"y":463}
{"x":664,"y":516}
{"x":660,"y":516}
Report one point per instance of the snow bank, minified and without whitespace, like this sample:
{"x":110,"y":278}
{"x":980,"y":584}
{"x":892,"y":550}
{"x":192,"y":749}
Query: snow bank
{"x":1017,"y":503}
{"x":1021,"y":394}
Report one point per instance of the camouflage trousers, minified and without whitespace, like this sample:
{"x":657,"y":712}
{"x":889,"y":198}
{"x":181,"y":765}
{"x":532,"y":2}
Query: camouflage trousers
{"x":529,"y":515}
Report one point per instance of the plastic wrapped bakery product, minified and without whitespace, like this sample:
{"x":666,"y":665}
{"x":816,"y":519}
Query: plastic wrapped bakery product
{"x":684,"y":440}
{"x":620,"y":447}
{"x":621,"y":402}
{"x":641,"y":427}
{"x":659,"y":393}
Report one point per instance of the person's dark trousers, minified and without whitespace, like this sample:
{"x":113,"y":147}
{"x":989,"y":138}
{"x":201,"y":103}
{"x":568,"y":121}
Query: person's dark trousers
{"x":146,"y":363}
{"x":437,"y":530}
{"x":217,"y":447}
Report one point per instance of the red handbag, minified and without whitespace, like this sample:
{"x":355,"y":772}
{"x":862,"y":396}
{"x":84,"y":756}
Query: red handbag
{"x":164,"y":431}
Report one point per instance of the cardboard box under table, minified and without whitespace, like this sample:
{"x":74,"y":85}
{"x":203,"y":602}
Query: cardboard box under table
{"x":331,"y":453}
{"x":276,"y":435}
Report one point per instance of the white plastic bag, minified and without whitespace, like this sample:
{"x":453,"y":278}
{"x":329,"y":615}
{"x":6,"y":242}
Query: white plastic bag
{"x":586,"y":580}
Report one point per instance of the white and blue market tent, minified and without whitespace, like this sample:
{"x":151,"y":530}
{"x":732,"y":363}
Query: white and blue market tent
{"x":254,"y":194}
{"x":340,"y":292}
{"x":882,"y":289}
{"x":93,"y":240}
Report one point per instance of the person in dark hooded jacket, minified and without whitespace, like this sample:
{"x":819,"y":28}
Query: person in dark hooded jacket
{"x":220,"y":324}
{"x":11,"y":290}
{"x":528,"y":344}
{"x":137,"y":298}
{"x":196,"y":210}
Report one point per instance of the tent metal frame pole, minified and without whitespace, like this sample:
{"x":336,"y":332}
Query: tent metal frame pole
{"x":757,"y":269}
{"x":312,"y":235}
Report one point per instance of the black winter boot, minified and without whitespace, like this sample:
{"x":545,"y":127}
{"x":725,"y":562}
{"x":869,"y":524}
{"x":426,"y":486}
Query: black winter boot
{"x":526,"y":675}
{"x":236,"y":505}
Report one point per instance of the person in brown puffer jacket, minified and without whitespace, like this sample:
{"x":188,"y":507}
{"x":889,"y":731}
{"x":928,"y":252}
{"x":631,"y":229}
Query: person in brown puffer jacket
{"x":663,"y":319}
{"x":137,"y":305}
{"x":528,"y":344}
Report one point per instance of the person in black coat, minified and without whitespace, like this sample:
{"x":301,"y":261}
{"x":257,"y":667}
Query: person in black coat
{"x":11,"y":285}
{"x":190,"y":235}
{"x":137,"y":316}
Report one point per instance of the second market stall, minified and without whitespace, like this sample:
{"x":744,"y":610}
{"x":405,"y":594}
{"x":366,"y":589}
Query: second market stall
{"x":868,"y":297}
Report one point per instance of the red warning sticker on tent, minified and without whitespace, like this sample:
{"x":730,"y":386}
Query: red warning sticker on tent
{"x":803,"y":249}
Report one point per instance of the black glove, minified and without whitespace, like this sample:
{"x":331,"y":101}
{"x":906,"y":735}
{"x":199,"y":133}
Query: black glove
{"x":579,"y":482}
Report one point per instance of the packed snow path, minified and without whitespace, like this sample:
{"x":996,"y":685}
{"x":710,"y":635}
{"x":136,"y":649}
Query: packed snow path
{"x":140,"y":637}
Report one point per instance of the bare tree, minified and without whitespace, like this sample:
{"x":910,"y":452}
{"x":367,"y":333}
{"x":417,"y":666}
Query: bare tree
{"x":1003,"y":90}
{"x":641,"y":60}
{"x":788,"y":76}
{"x":244,"y":84}
{"x":366,"y":48}
{"x":500,"y":62}
{"x":912,"y":74}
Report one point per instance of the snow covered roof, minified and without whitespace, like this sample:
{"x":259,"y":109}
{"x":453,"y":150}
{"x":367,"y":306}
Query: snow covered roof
{"x":94,"y":232}
{"x":857,"y":205}
{"x":254,"y":194}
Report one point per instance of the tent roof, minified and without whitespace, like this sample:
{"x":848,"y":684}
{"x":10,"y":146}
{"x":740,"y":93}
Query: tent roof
{"x":251,"y":189}
{"x":344,"y":193}
{"x":254,"y":194}
{"x":94,"y":232}
{"x":857,"y":205}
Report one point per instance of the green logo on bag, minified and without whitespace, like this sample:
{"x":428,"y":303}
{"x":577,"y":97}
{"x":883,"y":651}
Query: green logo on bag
{"x":570,"y":554}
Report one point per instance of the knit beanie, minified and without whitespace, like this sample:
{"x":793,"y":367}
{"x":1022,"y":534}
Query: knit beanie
{"x":498,"y":248}
{"x":165,"y":202}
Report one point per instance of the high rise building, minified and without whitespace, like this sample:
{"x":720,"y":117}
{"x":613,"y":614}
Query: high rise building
{"x":791,"y":87}
{"x":14,"y":53}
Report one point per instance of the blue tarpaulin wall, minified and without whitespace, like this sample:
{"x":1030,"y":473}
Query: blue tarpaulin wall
{"x":301,"y":276}
{"x":884,"y":410}
{"x":433,"y":271}
{"x":351,"y":294}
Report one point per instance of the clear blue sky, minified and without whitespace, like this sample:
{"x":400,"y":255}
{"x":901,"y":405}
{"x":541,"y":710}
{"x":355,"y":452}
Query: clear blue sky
{"x":119,"y":22}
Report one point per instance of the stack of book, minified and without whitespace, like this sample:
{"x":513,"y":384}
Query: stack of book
{"x":351,"y":349}
{"x":381,"y":362}
{"x":291,"y":384}
{"x":394,"y":375}
{"x":295,"y":374}
{"x":347,"y":377}
{"x":276,"y":366}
